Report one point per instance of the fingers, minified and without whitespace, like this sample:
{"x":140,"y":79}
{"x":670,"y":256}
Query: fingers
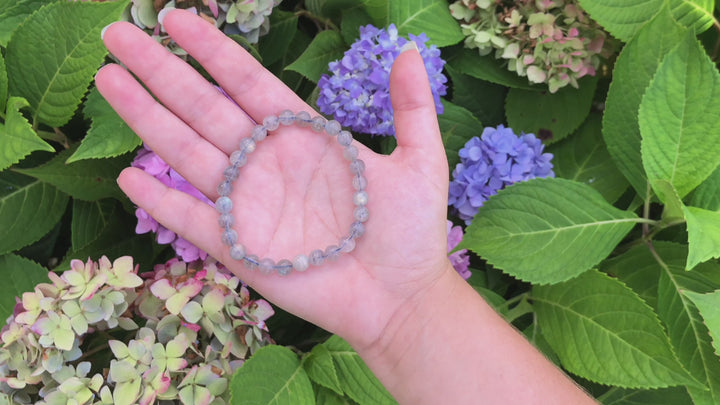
{"x":255,"y":89}
{"x":415,"y":118}
{"x":178,"y":86}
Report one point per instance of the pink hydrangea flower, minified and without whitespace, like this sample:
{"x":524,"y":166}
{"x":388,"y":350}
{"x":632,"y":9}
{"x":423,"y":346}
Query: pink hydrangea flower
{"x":460,"y":259}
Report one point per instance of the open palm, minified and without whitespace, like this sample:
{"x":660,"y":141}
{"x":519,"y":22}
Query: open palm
{"x":295,"y":193}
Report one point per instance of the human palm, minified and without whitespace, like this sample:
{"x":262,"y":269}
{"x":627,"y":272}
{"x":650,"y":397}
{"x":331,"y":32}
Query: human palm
{"x":295,"y":193}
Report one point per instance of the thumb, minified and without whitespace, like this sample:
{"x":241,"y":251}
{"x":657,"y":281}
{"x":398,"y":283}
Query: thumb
{"x":414,"y":115}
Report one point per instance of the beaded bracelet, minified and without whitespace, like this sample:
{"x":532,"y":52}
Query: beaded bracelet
{"x":239,"y":158}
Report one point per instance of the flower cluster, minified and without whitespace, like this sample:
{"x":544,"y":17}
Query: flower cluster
{"x":197,"y":330}
{"x":460,"y":259}
{"x":151,"y":163}
{"x":249,"y":18}
{"x":549,"y":41}
{"x":497,"y":159}
{"x":357,"y":91}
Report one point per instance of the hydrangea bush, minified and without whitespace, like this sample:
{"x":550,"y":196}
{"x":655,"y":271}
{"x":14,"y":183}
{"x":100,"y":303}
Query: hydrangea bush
{"x":605,"y":256}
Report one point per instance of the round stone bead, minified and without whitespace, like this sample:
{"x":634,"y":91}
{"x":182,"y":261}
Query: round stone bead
{"x":316,"y":257}
{"x":224,"y":188}
{"x":357,"y":166}
{"x":238,"y":158}
{"x":286,"y":117}
{"x":357,"y":229}
{"x":350,"y":152}
{"x":333,"y":127}
{"x":344,"y":138}
{"x":259,"y":132}
{"x":237,"y":252}
{"x":229,"y":237}
{"x":247,"y":145}
{"x":347,"y":245}
{"x":303,"y":118}
{"x":271,"y":122}
{"x":251,"y":262}
{"x":231,"y":173}
{"x":318,"y":124}
{"x":266,"y":265}
{"x":226,"y":220}
{"x":301,"y":263}
{"x":360,"y":198}
{"x":284,"y":267}
{"x":332,"y":252}
{"x":359,"y":182}
{"x":361,"y":214}
{"x":224,"y":205}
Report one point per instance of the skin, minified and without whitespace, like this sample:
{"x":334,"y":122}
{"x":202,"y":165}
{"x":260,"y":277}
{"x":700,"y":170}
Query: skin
{"x":395,"y":298}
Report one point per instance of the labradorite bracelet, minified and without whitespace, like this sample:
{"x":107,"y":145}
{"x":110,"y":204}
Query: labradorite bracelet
{"x":239,"y":158}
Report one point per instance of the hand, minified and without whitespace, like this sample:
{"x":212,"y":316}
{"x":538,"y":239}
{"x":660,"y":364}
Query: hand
{"x":295,"y":193}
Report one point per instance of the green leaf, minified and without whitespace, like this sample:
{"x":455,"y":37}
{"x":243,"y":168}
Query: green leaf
{"x":352,"y":20}
{"x":326,"y":47}
{"x":109,"y":135}
{"x":277,"y":41}
{"x":624,"y":18}
{"x":321,"y":369}
{"x":635,"y":67}
{"x":546,"y":230}
{"x":356,"y":379}
{"x":490,"y":108}
{"x":678,"y":118}
{"x":602,"y":331}
{"x":328,"y":397}
{"x":664,"y":396}
{"x":88,"y":180}
{"x":550,"y":116}
{"x":637,"y":269}
{"x":708,"y":305}
{"x":3,"y":84}
{"x":19,"y":275}
{"x":28,"y":210}
{"x":273,"y":375}
{"x":688,"y":335}
{"x":429,"y":16}
{"x":89,"y":219}
{"x":12,"y":14}
{"x":703,"y":235}
{"x":707,"y":194}
{"x":469,"y":62}
{"x":457,"y":126}
{"x":583,"y":157}
{"x":17,"y":136}
{"x":54,"y":55}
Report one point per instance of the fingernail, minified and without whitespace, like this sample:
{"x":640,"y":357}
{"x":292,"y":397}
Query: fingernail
{"x":408,"y":46}
{"x":162,"y":14}
{"x":102,"y":33}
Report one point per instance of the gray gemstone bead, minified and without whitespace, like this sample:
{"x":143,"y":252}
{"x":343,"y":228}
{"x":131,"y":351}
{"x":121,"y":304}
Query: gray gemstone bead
{"x":357,"y":229}
{"x":237,"y":252}
{"x":226,"y":221}
{"x":266,"y":265}
{"x":224,"y":205}
{"x":284,"y":267}
{"x":271,"y":122}
{"x":350,"y":152}
{"x":347,"y":245}
{"x":251,"y":262}
{"x":247,"y":145}
{"x":361,"y":214}
{"x":303,"y":118}
{"x":238,"y":158}
{"x":357,"y":166}
{"x":286,"y":117}
{"x":359,"y":182}
{"x":231,"y":173}
{"x":333,"y":127}
{"x":301,"y":263}
{"x":316,"y":257}
{"x":360,"y":198}
{"x":318,"y":124}
{"x":332,"y":252}
{"x":259,"y":133}
{"x":229,"y":237}
{"x":344,"y":138}
{"x":224,"y":188}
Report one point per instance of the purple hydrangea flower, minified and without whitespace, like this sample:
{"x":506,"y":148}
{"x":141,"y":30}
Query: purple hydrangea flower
{"x":460,"y":259}
{"x":357,"y":93}
{"x":492,"y":162}
{"x":151,"y":163}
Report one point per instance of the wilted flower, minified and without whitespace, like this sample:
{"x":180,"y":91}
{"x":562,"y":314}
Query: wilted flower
{"x":357,"y":91}
{"x":460,"y":259}
{"x":549,"y":41}
{"x":497,"y":159}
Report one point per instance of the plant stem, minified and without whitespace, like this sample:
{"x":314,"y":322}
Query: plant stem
{"x":321,"y":23}
{"x":56,"y":136}
{"x":657,"y":256}
{"x":89,"y":353}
